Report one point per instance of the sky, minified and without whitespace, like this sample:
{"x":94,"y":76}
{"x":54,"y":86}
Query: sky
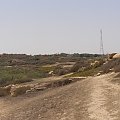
{"x":59,"y":26}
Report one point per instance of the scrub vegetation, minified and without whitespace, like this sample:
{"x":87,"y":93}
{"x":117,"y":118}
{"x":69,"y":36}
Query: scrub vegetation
{"x":20,"y":68}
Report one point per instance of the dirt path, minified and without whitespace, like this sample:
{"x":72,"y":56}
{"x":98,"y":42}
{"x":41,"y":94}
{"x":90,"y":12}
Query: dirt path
{"x":90,"y":99}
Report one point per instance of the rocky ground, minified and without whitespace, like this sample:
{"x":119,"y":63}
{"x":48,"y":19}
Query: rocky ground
{"x":94,"y":98}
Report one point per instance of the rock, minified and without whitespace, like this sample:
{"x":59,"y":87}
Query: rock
{"x":110,"y":56}
{"x":40,"y":88}
{"x":19,"y":90}
{"x":5,"y":91}
{"x":116,"y":56}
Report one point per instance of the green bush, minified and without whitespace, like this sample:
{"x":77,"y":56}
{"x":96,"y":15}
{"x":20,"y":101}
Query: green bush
{"x":15,"y":75}
{"x":85,"y":73}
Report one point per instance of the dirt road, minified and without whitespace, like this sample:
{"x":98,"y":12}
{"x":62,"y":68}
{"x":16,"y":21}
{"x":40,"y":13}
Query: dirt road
{"x":94,"y":98}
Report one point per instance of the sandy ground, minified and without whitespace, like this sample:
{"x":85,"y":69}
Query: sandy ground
{"x":94,"y":98}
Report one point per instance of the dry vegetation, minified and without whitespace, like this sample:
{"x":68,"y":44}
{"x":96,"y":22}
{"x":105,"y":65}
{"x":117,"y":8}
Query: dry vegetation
{"x":112,"y":65}
{"x":27,"y":68}
{"x":20,"y":68}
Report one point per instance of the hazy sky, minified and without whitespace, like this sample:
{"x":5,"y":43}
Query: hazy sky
{"x":55,"y":26}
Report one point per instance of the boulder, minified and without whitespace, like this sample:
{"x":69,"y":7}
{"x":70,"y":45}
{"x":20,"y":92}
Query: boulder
{"x":116,"y":56}
{"x":110,"y":56}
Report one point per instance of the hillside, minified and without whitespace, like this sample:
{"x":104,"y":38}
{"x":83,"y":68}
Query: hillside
{"x":92,"y":98}
{"x":71,"y":88}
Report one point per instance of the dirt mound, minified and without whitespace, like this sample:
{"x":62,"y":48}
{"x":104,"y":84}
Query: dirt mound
{"x":5,"y":90}
{"x":53,"y":84}
{"x":16,"y":90}
{"x":19,"y":90}
{"x":60,"y":83}
{"x":112,"y":65}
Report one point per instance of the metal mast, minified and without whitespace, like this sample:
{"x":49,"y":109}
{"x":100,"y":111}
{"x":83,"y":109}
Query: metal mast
{"x":101,"y":43}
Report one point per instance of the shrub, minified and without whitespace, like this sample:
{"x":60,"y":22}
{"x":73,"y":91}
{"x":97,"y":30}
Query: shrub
{"x":98,"y":63}
{"x":63,"y":71}
{"x":86,"y":73}
{"x":79,"y":65}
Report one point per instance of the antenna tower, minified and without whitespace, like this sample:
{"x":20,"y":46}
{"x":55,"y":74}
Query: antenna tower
{"x":101,"y":43}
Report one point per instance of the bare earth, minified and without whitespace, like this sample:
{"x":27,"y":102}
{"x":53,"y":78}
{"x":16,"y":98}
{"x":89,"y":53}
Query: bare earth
{"x":94,"y":98}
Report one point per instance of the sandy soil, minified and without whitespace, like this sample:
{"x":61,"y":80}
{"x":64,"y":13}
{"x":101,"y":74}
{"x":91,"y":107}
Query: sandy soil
{"x":94,"y":98}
